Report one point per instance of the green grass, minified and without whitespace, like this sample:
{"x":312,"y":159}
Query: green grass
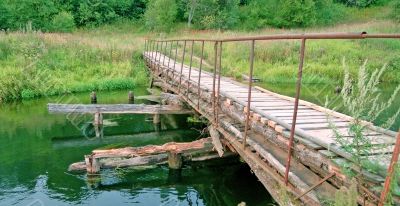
{"x":109,"y":57}
{"x":48,"y":64}
{"x":277,"y":61}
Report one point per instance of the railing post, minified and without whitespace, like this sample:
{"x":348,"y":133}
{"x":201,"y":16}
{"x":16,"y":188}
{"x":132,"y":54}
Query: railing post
{"x":190,"y":69}
{"x":152,"y":54}
{"x":145,"y":45}
{"x":214,"y":75}
{"x":296,"y":106}
{"x":170,"y":53}
{"x":246,"y":127}
{"x":159,"y":57}
{"x":391,"y":170}
{"x":199,"y":79}
{"x":155,"y":58}
{"x":182,"y":63}
{"x":176,"y":54}
{"x":165,"y":52}
{"x":219,"y":81}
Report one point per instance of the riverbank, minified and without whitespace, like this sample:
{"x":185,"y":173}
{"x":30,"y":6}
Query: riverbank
{"x":109,"y":58}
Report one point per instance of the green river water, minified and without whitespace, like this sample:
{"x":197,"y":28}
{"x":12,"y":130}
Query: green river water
{"x":36,"y":149}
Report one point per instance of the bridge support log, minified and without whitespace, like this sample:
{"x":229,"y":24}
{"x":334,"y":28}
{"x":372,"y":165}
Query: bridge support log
{"x":173,"y":153}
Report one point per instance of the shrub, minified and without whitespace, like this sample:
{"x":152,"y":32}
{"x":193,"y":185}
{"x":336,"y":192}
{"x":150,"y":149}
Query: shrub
{"x":62,"y":22}
{"x":396,"y":11}
{"x":160,"y":15}
{"x":328,"y":12}
{"x":295,"y":13}
{"x":359,"y":3}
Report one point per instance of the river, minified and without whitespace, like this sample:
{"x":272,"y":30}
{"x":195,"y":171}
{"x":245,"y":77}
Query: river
{"x":36,"y":149}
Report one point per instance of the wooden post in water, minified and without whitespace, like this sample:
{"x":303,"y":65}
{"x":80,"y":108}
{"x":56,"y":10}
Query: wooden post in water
{"x":174,"y":160}
{"x":92,"y":164}
{"x":98,"y":119}
{"x":131,"y":98}
{"x":93,"y":98}
{"x":156,"y":119}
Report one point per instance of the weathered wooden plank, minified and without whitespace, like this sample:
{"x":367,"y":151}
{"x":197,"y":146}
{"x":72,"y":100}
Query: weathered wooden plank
{"x":216,"y":140}
{"x":116,"y":109}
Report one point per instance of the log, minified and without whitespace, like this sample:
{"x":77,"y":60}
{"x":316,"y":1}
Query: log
{"x":173,"y":153}
{"x":216,"y":140}
{"x":116,"y":109}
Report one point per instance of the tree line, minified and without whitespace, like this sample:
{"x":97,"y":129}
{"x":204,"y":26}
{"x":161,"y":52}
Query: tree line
{"x":161,"y":15}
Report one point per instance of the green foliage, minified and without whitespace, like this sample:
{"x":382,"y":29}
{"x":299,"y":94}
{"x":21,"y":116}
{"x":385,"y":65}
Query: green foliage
{"x":296,"y":13}
{"x":33,"y":66}
{"x":290,"y":13}
{"x":17,"y":14}
{"x":62,"y":22}
{"x":213,"y":14}
{"x":46,"y":14}
{"x":160,"y":15}
{"x":359,"y":3}
{"x":396,"y":11}
{"x":360,"y":99}
{"x":347,"y":196}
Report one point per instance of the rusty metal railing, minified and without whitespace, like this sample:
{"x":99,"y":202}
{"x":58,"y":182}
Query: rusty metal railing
{"x":216,"y":74}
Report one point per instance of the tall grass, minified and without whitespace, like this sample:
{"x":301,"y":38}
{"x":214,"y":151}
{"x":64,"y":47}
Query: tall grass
{"x":35,"y":64}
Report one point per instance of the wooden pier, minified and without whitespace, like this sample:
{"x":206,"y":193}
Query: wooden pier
{"x":315,"y":173}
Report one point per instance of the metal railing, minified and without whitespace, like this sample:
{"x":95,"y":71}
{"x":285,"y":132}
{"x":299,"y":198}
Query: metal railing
{"x":153,"y":45}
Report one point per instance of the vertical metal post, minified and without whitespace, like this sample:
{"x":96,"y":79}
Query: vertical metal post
{"x":169,"y":58}
{"x":145,"y":45}
{"x":183,"y":60}
{"x":219,"y":82}
{"x":296,"y":106}
{"x":176,"y":54}
{"x":152,"y":55}
{"x":170,"y":53}
{"x":190,"y":69}
{"x":214,"y":74}
{"x":246,"y":127}
{"x":155,"y":57}
{"x":391,"y":170}
{"x":165,"y":53}
{"x":159,"y":57}
{"x":198,"y":82}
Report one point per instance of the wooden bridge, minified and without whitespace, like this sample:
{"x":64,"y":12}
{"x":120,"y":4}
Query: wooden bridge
{"x":288,"y":143}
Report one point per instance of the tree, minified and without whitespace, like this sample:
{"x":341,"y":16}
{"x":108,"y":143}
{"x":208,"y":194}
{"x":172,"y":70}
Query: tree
{"x":190,"y":9}
{"x":160,"y":15}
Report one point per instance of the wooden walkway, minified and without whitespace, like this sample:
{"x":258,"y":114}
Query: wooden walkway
{"x":317,"y":152}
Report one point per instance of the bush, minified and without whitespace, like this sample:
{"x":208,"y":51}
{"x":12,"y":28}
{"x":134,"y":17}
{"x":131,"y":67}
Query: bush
{"x":328,"y":12}
{"x":359,"y":3}
{"x":160,"y":15}
{"x":17,"y":14}
{"x":295,"y":13}
{"x":396,"y":11}
{"x":62,"y":22}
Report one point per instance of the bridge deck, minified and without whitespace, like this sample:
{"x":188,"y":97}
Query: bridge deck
{"x":313,"y":127}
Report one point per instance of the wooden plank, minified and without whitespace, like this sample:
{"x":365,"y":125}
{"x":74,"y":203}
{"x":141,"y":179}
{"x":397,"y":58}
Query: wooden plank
{"x":116,"y":109}
{"x":216,"y":140}
{"x":323,"y":125}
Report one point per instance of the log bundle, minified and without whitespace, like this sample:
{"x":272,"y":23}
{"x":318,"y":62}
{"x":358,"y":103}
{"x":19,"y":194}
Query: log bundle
{"x":173,"y":153}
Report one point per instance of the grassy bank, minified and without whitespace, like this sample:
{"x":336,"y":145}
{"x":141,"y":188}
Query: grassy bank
{"x":36,"y":64}
{"x":109,"y":57}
